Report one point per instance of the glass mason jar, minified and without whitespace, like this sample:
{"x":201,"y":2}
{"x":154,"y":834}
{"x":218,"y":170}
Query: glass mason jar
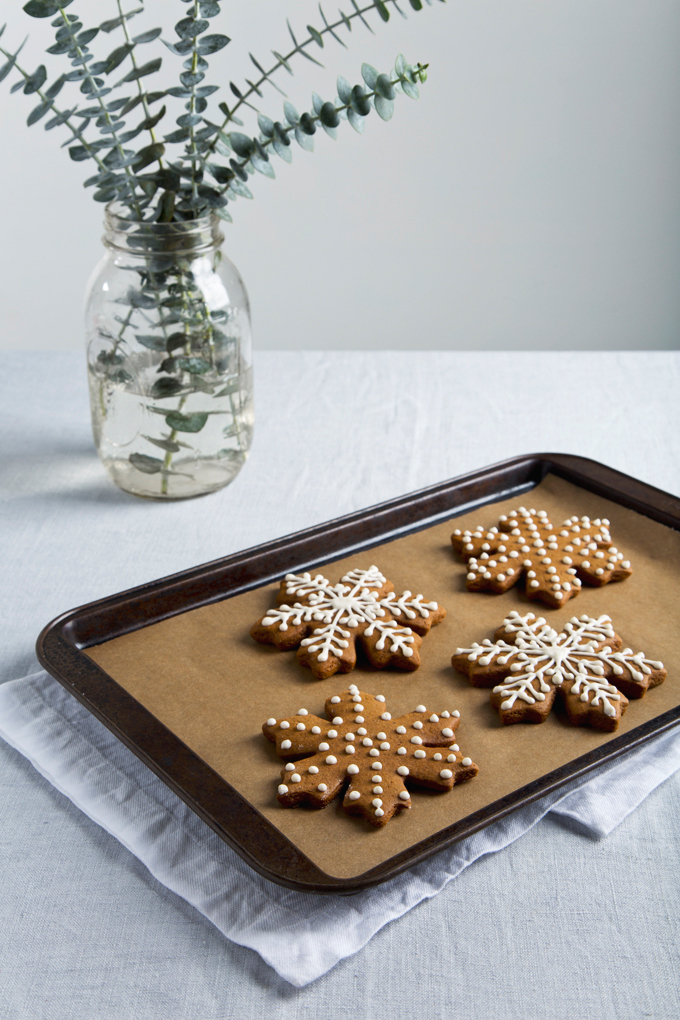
{"x":168,"y":358}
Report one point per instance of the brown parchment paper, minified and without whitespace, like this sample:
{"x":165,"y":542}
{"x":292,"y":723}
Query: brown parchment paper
{"x":204,"y":677}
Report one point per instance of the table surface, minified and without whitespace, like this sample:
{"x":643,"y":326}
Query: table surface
{"x":558,"y":925}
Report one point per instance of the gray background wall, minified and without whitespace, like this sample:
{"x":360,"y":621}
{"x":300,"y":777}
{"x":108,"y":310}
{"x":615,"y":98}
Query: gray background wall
{"x":528,"y":201}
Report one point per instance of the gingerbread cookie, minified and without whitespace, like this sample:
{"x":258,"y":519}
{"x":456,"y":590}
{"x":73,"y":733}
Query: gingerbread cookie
{"x":324,"y":621}
{"x":366,"y":753}
{"x":584,"y":663}
{"x":554,"y":560}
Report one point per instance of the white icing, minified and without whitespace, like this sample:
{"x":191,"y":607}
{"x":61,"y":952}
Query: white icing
{"x":295,"y":778}
{"x":541,"y":658}
{"x":466,"y":761}
{"x":419,"y":754}
{"x":404,"y":795}
{"x":402,"y":770}
{"x":342,"y":608}
{"x":446,"y":774}
{"x":283,"y":789}
{"x":285,"y":745}
{"x":285,"y":725}
{"x":324,"y":746}
{"x":271,"y":722}
{"x":322,"y":787}
{"x":354,"y":795}
{"x":352,"y":769}
{"x":331,"y":760}
{"x":290,"y":767}
{"x":447,"y":732}
{"x":313,"y":769}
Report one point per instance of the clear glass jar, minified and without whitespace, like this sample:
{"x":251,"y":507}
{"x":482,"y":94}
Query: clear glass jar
{"x":169,"y":358}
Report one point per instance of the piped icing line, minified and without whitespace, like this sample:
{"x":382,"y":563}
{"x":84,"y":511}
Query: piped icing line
{"x":324,"y":621}
{"x":382,"y":759}
{"x":553,"y":560}
{"x":585,"y":662}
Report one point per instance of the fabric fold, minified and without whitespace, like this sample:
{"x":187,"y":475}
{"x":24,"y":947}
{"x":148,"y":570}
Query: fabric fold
{"x":300,"y":935}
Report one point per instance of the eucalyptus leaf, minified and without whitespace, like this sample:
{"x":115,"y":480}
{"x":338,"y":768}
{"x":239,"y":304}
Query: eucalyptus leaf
{"x":166,"y":386}
{"x":164,"y":444}
{"x":179,"y":422}
{"x":384,"y":107}
{"x":149,"y":465}
{"x":370,"y":75}
{"x":212,"y":43}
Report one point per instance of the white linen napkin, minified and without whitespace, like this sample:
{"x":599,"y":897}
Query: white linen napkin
{"x":300,"y":935}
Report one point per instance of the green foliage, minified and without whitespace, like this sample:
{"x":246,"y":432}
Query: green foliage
{"x":173,"y":171}
{"x":118,"y":107}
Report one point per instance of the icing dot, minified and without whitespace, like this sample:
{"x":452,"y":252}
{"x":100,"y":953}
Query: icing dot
{"x":420,"y":754}
{"x":290,"y":767}
{"x":401,"y":750}
{"x":626,"y":564}
{"x":359,"y":718}
{"x":447,"y":732}
{"x":501,"y":577}
{"x":446,"y":774}
{"x":316,"y":729}
{"x":433,"y":718}
{"x":285,"y":744}
{"x":271,"y":722}
{"x":384,"y":746}
{"x":386,"y":716}
{"x":324,"y":746}
{"x":451,"y":758}
{"x":322,"y":787}
{"x":404,"y":795}
{"x":402,"y":770}
{"x":335,"y":700}
{"x":332,"y":734}
{"x":349,"y":736}
{"x":466,"y":761}
{"x":417,"y":725}
{"x":295,"y":778}
{"x":367,"y":742}
{"x":338,"y":721}
{"x":445,"y":715}
{"x":300,"y":726}
{"x":331,"y":760}
{"x":376,"y":779}
{"x":471,"y":577}
{"x":376,"y":802}
{"x":285,"y":725}
{"x":376,"y":764}
{"x":352,"y":769}
{"x":456,"y":714}
{"x":568,"y":560}
{"x":374,"y":752}
{"x":534,"y":584}
{"x":531,"y":573}
{"x":354,"y":795}
{"x":313,"y":769}
{"x":358,"y":708}
{"x":401,"y":729}
{"x":283,"y":789}
{"x":377,"y":789}
{"x":599,"y":571}
{"x":380,"y":697}
{"x":454,"y":747}
{"x":437,"y":757}
{"x":361,"y":731}
{"x":420,"y":708}
{"x":381,"y":735}
{"x":303,"y":711}
{"x":349,"y":749}
{"x":416,"y":740}
{"x":585,"y":563}
{"x":379,"y":812}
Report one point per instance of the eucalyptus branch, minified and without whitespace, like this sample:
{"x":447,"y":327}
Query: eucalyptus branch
{"x":47,"y":104}
{"x":149,"y":120}
{"x":316,"y":37}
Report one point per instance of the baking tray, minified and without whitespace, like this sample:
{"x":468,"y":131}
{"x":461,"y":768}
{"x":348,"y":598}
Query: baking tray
{"x":66,"y":646}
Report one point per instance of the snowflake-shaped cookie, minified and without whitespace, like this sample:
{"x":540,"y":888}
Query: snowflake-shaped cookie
{"x":366,"y":752}
{"x":555,"y":561}
{"x":325,"y":620}
{"x":533,"y":662}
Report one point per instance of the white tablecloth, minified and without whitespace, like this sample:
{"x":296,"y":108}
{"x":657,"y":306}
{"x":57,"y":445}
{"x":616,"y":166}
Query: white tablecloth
{"x":590,"y":926}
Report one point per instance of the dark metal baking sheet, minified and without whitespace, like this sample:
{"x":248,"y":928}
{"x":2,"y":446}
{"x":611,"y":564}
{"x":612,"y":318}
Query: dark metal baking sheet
{"x":61,"y":650}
